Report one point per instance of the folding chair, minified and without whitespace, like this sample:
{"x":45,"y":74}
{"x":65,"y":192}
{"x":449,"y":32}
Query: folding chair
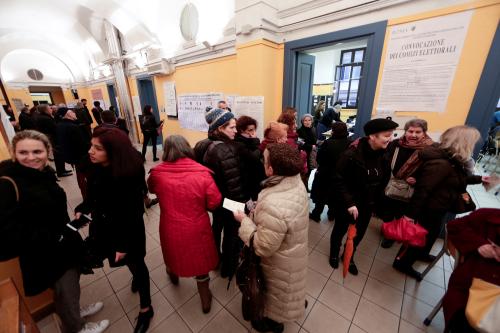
{"x":449,"y":249}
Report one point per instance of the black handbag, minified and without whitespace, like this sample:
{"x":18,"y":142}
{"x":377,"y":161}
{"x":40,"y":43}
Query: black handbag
{"x":9,"y":230}
{"x":250,"y":280}
{"x":462,"y":205}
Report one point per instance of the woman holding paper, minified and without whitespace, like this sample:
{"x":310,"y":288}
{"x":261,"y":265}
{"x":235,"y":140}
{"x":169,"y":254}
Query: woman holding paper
{"x":278,"y":229}
{"x":186,"y":191}
{"x":222,"y":155}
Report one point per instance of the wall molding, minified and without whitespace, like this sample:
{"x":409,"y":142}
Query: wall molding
{"x":310,"y":5}
{"x":334,"y":16}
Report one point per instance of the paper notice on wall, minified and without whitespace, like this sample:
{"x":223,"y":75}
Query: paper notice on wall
{"x":230,"y":101}
{"x":136,"y":102}
{"x":192,"y":109}
{"x":252,"y":106}
{"x":420,"y":63}
{"x":97,"y":94}
{"x":170,"y":98}
{"x":18,"y":104}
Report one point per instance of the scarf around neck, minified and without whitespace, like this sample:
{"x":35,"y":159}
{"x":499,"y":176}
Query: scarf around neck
{"x":413,"y":163}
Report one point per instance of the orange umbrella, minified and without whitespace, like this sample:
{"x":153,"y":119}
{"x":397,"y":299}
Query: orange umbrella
{"x":349,"y":247}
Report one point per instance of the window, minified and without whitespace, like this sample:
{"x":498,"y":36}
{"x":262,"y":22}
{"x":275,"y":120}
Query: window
{"x":347,"y":77}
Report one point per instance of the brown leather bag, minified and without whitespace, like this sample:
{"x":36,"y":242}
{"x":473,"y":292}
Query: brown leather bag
{"x":250,"y":280}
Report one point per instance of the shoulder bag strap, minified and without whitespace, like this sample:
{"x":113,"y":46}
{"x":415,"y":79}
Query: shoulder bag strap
{"x":13,"y":184}
{"x":394,"y":158}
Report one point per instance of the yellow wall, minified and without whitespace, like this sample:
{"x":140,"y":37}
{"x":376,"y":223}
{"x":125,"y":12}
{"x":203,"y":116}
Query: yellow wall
{"x":4,"y":150}
{"x":477,"y":44}
{"x":22,"y":93}
{"x":255,"y":70}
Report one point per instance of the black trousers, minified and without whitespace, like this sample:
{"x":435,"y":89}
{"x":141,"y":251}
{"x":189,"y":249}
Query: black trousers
{"x":147,"y":137}
{"x":342,"y":221}
{"x":231,"y":244}
{"x":432,"y":221}
{"x":140,"y":274}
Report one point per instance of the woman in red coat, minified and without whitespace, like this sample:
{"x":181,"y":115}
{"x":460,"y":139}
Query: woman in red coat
{"x":476,"y":237}
{"x":186,"y":191}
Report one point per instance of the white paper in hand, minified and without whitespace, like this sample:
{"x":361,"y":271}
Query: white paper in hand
{"x":233,"y":206}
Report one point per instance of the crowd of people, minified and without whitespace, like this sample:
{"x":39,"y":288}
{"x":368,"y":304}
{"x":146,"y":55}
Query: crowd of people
{"x":270,"y":177}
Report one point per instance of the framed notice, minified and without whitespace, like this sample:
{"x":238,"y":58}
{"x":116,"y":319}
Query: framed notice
{"x":420,"y":63}
{"x":170,"y":99}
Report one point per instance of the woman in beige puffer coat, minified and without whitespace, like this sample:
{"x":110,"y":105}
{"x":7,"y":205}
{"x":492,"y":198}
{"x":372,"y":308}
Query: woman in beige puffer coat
{"x":279,"y":224}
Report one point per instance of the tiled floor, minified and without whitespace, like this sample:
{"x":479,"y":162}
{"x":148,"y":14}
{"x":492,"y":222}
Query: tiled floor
{"x":379,"y":299}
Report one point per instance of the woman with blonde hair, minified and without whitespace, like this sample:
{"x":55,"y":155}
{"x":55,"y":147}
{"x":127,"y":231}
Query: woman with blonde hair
{"x":33,"y":218}
{"x":440,"y":187}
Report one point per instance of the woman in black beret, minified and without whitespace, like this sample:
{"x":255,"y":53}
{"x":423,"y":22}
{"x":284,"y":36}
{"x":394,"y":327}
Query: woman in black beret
{"x":360,"y":177}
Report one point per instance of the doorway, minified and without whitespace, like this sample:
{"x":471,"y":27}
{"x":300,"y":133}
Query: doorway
{"x":147,"y":96}
{"x":339,"y":66}
{"x":112,"y":98}
{"x":338,"y":74}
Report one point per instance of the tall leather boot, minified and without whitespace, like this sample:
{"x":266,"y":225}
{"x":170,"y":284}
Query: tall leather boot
{"x":205,"y":293}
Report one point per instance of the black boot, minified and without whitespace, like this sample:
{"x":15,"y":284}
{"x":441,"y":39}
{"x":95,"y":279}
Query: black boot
{"x":334,"y":261}
{"x":267,"y":325}
{"x":352,"y":268}
{"x":315,"y":218}
{"x":407,"y":269}
{"x":143,"y":320}
{"x":387,"y":243}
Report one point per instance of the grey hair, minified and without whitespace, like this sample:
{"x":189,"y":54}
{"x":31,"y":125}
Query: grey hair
{"x":417,"y":123}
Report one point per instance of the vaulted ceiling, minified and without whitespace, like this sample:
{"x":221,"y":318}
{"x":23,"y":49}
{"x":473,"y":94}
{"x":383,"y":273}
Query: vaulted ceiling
{"x":65,"y":39}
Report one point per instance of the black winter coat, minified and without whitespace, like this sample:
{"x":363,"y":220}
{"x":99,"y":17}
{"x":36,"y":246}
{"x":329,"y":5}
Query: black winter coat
{"x":47,"y":125}
{"x":34,"y":225}
{"x":361,"y":176}
{"x":83,"y":116}
{"x":96,"y":112}
{"x":117,"y":208}
{"x":148,"y":123}
{"x":308,"y":135}
{"x":441,"y":180}
{"x":328,"y":155}
{"x":222,"y":156}
{"x":71,"y":141}
{"x":252,"y":168}
{"x":26,"y":121}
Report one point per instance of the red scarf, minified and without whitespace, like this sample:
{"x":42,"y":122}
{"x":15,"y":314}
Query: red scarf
{"x":412,"y":164}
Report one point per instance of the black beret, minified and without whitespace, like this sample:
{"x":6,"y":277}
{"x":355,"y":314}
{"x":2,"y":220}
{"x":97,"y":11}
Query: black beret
{"x":379,"y":125}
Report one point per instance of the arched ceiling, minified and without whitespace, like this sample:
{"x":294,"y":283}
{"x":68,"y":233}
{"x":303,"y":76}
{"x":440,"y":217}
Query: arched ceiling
{"x":72,"y":31}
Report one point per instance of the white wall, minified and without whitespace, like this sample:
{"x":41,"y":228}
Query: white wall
{"x":329,"y":57}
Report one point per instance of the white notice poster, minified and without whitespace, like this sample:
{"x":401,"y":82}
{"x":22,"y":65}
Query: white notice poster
{"x":420,"y":63}
{"x":252,"y":106}
{"x":192,"y":109}
{"x":170,"y":100}
{"x":136,"y":102}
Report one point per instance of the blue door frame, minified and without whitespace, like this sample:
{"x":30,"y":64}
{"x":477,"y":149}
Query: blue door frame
{"x":374,"y":32}
{"x":487,"y":93}
{"x":147,"y":95}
